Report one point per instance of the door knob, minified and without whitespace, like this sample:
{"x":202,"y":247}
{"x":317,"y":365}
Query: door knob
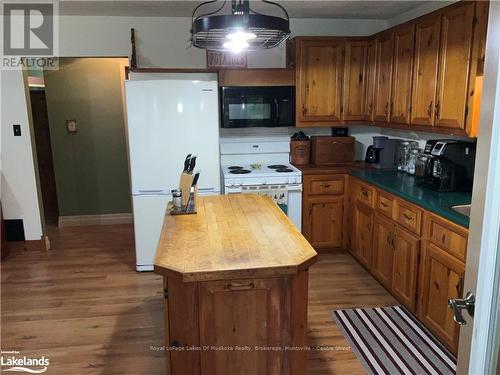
{"x":459,"y":304}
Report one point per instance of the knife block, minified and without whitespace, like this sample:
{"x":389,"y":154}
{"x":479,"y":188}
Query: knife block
{"x":185,"y":183}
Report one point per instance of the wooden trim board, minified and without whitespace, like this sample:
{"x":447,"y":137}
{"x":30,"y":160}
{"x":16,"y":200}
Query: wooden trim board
{"x":105,"y":219}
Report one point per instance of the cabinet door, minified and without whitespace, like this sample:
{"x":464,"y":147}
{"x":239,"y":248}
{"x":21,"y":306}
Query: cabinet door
{"x":323,"y":225}
{"x":355,"y":81}
{"x":402,"y":76}
{"x":363,"y":234}
{"x":383,"y":79}
{"x":405,"y":268}
{"x":243,"y":313}
{"x":456,"y":40}
{"x":425,"y":71}
{"x":383,"y":250}
{"x":443,"y":279}
{"x":319,"y":80}
{"x":371,"y":58}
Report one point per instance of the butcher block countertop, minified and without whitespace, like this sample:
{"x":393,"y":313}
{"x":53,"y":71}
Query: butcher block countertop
{"x":232,"y":236}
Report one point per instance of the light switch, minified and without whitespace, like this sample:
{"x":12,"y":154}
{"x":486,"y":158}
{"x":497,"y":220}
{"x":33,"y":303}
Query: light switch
{"x":17,"y":130}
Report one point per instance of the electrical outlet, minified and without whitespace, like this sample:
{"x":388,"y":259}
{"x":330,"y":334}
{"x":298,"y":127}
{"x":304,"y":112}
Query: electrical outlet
{"x":17,"y":130}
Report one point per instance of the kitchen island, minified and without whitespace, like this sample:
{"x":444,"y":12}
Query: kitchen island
{"x":235,"y":278}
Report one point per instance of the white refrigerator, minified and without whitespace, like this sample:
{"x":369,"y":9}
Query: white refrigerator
{"x":166,"y":120}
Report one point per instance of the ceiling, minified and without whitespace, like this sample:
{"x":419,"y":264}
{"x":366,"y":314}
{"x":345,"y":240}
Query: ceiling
{"x":381,"y":10}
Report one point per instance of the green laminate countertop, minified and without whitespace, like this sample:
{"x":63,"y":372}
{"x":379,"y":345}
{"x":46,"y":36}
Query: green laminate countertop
{"x":404,"y":186}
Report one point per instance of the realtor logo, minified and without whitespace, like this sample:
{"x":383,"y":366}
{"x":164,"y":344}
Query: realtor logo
{"x":30,"y":31}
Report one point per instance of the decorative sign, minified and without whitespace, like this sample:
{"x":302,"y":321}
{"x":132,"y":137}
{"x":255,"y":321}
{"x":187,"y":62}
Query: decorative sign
{"x":221,"y":59}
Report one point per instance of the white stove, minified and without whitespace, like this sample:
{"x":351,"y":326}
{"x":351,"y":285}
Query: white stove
{"x":261,"y":174}
{"x":261,"y":166}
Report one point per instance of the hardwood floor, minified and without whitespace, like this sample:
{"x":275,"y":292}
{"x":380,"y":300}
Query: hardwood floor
{"x":84,"y":307}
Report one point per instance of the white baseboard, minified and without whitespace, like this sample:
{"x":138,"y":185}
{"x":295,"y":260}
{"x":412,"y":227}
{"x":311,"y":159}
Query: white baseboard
{"x":106,"y":219}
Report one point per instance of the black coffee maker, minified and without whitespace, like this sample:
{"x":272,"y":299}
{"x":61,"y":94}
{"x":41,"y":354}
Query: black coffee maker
{"x":451,"y":167}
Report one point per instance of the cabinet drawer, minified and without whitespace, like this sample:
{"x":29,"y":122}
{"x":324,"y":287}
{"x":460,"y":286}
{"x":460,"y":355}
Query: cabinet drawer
{"x":448,"y":237}
{"x":385,"y":204}
{"x":365,"y":193}
{"x":327,"y":186}
{"x":409,"y":217}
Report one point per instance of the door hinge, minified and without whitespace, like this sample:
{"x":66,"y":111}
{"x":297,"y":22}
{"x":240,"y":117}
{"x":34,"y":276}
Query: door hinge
{"x":466,"y":113}
{"x":474,"y":21}
{"x":341,"y":109}
{"x":165,"y":293}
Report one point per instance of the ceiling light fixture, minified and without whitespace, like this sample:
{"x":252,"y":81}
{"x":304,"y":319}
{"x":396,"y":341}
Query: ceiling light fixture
{"x":243,"y":29}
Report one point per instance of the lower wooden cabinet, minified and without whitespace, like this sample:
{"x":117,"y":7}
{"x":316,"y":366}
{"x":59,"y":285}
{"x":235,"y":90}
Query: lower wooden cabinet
{"x":363,"y":234}
{"x":395,"y":260}
{"x":383,"y":250}
{"x":201,"y":318}
{"x":443,"y":277}
{"x":241,"y":313}
{"x":323,"y":210}
{"x":323,"y":224}
{"x":405,"y":268}
{"x":416,"y":255}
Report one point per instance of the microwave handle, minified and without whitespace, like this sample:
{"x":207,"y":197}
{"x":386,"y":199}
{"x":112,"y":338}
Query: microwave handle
{"x":277,"y":106}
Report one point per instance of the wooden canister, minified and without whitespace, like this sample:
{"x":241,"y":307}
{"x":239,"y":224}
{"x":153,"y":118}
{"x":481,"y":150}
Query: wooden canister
{"x":301,"y":152}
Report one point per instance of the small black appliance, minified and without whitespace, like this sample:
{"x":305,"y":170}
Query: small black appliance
{"x":451,"y":166}
{"x":372,"y":155}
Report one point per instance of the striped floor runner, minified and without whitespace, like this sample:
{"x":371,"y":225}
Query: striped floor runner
{"x":390,"y":340}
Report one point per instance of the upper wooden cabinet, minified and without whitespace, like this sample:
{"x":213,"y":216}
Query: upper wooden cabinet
{"x":427,"y":32}
{"x":383,"y":76}
{"x":318,"y":78}
{"x":424,"y":75}
{"x":371,"y":58}
{"x":355,"y":81}
{"x":454,"y":63}
{"x":400,"y":106}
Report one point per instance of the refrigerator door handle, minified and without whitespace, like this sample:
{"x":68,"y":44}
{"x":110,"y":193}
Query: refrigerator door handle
{"x":152,"y":192}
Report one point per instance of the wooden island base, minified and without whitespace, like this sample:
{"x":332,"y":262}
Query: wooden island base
{"x":235,"y":278}
{"x":244,"y":326}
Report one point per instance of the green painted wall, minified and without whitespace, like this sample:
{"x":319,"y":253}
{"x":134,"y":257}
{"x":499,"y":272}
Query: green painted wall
{"x":90,"y":165}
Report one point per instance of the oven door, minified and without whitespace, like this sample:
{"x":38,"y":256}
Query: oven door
{"x":257,"y":107}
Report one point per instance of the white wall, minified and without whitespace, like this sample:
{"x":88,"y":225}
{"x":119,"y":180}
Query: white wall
{"x":18,"y":187}
{"x":164,"y":41}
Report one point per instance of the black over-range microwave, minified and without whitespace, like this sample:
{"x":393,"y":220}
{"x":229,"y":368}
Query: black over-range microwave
{"x":262,"y":106}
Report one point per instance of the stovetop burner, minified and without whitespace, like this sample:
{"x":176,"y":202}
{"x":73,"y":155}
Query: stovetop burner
{"x":233,"y":167}
{"x":284,"y":170}
{"x":278,"y":166}
{"x":239,"y":171}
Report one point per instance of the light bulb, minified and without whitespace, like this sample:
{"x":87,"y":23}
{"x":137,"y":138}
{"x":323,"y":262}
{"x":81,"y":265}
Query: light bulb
{"x":238,"y":40}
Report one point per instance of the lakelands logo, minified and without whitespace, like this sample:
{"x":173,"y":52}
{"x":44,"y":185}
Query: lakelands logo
{"x":30,"y":34}
{"x":12,"y":361}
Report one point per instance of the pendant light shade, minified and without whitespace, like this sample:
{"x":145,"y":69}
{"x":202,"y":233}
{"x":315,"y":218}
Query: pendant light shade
{"x":242,"y":30}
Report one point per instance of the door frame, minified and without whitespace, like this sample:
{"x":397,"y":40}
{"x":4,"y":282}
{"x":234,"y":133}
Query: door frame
{"x":479,"y":341}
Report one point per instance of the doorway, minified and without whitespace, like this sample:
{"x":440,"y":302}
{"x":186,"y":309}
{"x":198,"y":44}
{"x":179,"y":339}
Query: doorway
{"x":44,"y":155}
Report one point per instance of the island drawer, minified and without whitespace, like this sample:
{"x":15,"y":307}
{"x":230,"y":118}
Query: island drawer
{"x":409,"y":217}
{"x":385,"y":204}
{"x":322,"y":185}
{"x":447,"y":236}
